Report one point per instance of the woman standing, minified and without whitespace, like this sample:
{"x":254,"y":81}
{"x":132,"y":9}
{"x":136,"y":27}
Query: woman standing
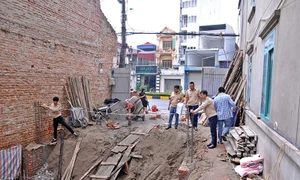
{"x":142,"y":96}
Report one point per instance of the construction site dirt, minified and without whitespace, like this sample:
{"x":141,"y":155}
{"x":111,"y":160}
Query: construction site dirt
{"x":160,"y":152}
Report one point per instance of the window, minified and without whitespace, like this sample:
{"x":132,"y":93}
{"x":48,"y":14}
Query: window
{"x":185,"y":20}
{"x":249,"y":80}
{"x":252,"y":3}
{"x":167,"y":63}
{"x":267,"y":75}
{"x":167,"y":45}
{"x":195,"y":3}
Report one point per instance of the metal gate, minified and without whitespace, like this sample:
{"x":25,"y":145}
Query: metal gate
{"x":170,"y":83}
{"x":212,"y":79}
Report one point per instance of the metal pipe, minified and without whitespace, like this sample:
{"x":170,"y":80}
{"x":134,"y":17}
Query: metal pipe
{"x":192,"y":149}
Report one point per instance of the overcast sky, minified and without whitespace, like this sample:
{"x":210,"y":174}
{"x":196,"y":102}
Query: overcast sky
{"x":154,"y":15}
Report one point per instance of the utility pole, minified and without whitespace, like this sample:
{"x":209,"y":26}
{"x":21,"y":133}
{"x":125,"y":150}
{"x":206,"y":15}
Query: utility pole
{"x":124,"y":45}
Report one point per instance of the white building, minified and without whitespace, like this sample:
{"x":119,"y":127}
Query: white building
{"x":196,"y":13}
{"x":270,"y":42}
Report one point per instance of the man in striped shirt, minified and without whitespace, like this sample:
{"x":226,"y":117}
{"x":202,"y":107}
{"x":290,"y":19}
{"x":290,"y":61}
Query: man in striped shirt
{"x":223,"y":105}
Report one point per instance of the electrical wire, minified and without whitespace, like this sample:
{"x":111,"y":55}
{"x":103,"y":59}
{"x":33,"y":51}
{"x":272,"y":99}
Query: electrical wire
{"x":181,"y":33}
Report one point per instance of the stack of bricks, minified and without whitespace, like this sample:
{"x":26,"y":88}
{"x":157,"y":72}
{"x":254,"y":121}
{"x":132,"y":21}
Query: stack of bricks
{"x":32,"y":160}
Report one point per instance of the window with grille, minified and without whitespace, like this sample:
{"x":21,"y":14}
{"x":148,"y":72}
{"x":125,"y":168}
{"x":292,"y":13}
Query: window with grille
{"x":167,"y":63}
{"x":167,"y":45}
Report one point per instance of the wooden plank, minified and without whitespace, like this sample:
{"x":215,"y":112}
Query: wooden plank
{"x":229,"y":148}
{"x":106,"y":170}
{"x":129,"y":139}
{"x":98,"y":177}
{"x":240,"y":91}
{"x":232,"y":142}
{"x":109,"y":163}
{"x":136,"y":156}
{"x":248,"y":131}
{"x":234,"y":134}
{"x":239,"y":130}
{"x":119,"y":149}
{"x":143,"y":130}
{"x":95,"y":164}
{"x":124,"y":160}
{"x":136,"y":133}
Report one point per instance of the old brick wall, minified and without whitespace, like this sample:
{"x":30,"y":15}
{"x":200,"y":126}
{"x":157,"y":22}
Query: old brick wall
{"x":42,"y":43}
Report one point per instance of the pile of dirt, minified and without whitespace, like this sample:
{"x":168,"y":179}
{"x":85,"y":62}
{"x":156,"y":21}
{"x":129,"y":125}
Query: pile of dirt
{"x":96,"y":141}
{"x":163,"y":152}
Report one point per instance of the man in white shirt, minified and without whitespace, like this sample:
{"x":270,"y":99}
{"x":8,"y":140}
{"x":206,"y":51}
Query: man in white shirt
{"x":56,"y":108}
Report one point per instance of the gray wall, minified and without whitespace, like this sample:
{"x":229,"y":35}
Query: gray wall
{"x":212,"y":79}
{"x":285,"y":96}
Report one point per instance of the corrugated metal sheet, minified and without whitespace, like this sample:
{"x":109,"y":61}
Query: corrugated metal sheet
{"x":212,"y":79}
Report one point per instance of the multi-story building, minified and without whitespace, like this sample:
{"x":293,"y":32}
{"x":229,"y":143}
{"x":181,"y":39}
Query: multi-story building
{"x":194,"y":13}
{"x":146,"y":69}
{"x":270,"y":42}
{"x":197,"y":52}
{"x":166,"y":58}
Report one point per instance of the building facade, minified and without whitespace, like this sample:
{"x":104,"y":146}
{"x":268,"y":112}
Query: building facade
{"x":146,"y":69}
{"x":166,"y":57}
{"x":270,"y":42}
{"x":196,"y":52}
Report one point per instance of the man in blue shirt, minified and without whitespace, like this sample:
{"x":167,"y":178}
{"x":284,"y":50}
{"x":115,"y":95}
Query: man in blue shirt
{"x":223,"y":105}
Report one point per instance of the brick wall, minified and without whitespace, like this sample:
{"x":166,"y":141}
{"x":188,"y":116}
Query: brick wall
{"x":42,"y":43}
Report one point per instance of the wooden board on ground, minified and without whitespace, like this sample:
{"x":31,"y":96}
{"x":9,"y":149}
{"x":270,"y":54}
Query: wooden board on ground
{"x":119,"y":149}
{"x":234,"y":134}
{"x":229,"y":148}
{"x":143,"y":130}
{"x":239,"y":130}
{"x":129,"y":140}
{"x":248,"y":131}
{"x":104,"y":171}
{"x":124,"y":159}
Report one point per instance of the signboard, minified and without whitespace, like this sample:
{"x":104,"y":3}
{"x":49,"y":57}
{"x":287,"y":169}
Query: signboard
{"x":146,"y":69}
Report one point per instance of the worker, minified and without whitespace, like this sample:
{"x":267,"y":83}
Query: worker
{"x":131,"y":92}
{"x":192,"y":103}
{"x":175,"y":98}
{"x":144,"y":100}
{"x":56,"y":108}
{"x":224,"y":106}
{"x":209,"y":109}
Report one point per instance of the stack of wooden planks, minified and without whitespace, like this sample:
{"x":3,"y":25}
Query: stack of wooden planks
{"x":79,"y":94}
{"x":110,"y":166}
{"x":234,"y":81}
{"x":241,"y":142}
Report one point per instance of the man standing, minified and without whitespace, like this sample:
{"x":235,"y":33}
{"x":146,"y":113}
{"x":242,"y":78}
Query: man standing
{"x":175,"y":98}
{"x":192,"y":103}
{"x":223,"y":105}
{"x":56,"y":108}
{"x":210,"y":112}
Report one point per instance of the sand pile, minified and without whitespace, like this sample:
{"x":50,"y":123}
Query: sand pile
{"x":162,"y":151}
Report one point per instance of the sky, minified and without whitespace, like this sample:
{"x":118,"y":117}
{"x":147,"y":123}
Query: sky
{"x":154,"y":15}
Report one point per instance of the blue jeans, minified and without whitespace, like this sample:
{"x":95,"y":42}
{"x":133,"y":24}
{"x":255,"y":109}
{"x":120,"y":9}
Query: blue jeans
{"x":213,"y":129}
{"x":172,"y":113}
{"x":193,"y":117}
{"x":226,"y":128}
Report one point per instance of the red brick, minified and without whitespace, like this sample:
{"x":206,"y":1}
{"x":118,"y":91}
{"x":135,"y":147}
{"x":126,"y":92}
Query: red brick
{"x":43,"y":43}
